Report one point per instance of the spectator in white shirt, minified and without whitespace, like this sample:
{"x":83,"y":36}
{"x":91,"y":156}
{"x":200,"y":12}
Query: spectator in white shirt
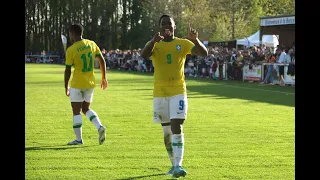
{"x":281,"y":67}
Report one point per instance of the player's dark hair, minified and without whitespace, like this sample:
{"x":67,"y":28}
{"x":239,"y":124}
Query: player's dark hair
{"x":77,"y":29}
{"x":165,"y":15}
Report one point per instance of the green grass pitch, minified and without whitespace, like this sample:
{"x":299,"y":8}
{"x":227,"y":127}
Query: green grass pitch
{"x":234,"y":130}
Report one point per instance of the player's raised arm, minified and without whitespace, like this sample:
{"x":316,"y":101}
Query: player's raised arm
{"x":148,"y":48}
{"x":200,"y":48}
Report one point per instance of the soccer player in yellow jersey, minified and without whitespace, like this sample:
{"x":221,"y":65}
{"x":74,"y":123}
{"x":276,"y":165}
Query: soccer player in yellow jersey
{"x":81,"y":55}
{"x":168,"y":55}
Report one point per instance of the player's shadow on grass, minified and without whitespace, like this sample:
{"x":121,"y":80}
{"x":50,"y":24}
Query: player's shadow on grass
{"x":131,"y":72}
{"x":139,"y":177}
{"x":46,"y":72}
{"x":43,"y":82}
{"x":245,"y":92}
{"x":57,"y":148}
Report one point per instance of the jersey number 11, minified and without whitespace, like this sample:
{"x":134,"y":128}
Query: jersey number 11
{"x":84,"y":60}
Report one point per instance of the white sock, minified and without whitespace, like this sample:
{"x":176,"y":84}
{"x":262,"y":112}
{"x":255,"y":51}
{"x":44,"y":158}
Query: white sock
{"x":168,"y":142}
{"x":178,"y":148}
{"x":77,"y":126}
{"x":93,"y":117}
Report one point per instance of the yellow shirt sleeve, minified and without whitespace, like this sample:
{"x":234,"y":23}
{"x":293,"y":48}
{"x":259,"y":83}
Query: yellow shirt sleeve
{"x":189,"y":46}
{"x":97,"y":50}
{"x":69,"y":58}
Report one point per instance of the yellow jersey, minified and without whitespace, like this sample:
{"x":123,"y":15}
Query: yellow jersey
{"x":168,"y":59}
{"x":81,"y":55}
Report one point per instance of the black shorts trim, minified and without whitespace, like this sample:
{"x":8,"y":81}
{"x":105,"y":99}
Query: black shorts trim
{"x":165,"y":124}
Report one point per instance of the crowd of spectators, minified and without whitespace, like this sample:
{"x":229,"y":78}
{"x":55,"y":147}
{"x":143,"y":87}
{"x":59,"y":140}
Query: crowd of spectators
{"x":220,"y":64}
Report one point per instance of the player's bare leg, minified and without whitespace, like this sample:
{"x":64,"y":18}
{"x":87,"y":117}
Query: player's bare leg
{"x":93,"y":117}
{"x":168,"y":144}
{"x":282,"y":83}
{"x":178,"y":146}
{"x":77,"y":123}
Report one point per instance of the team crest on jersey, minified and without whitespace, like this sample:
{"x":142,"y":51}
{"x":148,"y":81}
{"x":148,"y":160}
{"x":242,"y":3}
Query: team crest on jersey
{"x":178,"y":47}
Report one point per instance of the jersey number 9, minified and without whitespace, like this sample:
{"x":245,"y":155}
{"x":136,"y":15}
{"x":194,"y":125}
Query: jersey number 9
{"x":169,"y":59}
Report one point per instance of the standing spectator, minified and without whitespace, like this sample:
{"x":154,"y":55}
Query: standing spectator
{"x":269,"y":77}
{"x":213,"y":69}
{"x":203,"y":68}
{"x":220,"y":68}
{"x":281,"y":67}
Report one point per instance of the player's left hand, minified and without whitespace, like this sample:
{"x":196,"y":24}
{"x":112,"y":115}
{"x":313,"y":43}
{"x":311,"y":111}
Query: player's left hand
{"x":67,"y":91}
{"x":192,"y":33}
{"x":104,"y":84}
